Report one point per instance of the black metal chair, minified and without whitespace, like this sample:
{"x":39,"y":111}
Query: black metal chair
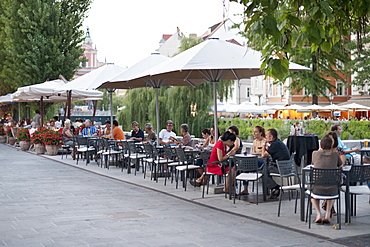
{"x":358,"y":175}
{"x":84,"y":147}
{"x":321,"y":181}
{"x":247,"y":170}
{"x":287,"y":171}
{"x":185,"y":164}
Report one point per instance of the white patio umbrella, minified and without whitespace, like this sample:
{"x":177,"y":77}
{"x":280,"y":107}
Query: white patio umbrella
{"x":313,"y":107}
{"x":46,"y":92}
{"x":355,"y":107}
{"x":333,"y":107}
{"x":8,"y":98}
{"x":210,"y":61}
{"x":294,"y":107}
{"x":128,"y":78}
{"x":89,"y":82}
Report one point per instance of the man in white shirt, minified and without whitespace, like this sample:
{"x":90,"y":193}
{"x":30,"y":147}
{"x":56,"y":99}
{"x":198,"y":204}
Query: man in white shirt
{"x":166,"y":136}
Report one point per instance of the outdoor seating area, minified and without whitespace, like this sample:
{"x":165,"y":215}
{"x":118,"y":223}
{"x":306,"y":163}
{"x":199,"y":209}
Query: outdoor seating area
{"x":175,"y":166}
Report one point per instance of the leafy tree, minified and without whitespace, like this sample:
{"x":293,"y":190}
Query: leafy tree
{"x":41,"y":40}
{"x":322,"y":24}
{"x":360,"y":63}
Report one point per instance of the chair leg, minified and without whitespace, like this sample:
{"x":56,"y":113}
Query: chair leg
{"x":281,"y":195}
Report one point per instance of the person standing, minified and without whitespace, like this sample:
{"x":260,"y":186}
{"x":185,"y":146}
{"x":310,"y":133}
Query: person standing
{"x":137,"y":134}
{"x":165,"y":134}
{"x":37,"y":119}
{"x":89,"y":130}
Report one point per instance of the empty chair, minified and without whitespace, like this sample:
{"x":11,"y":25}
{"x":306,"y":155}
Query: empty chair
{"x":185,"y":164}
{"x":358,"y":175}
{"x":247,"y":170}
{"x":287,"y":171}
{"x":84,"y":147}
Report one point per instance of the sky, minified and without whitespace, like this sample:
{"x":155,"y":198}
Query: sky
{"x":127,"y":31}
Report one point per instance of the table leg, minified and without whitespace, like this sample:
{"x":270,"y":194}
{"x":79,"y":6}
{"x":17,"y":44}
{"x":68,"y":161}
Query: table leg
{"x":303,"y":194}
{"x":264,"y":180}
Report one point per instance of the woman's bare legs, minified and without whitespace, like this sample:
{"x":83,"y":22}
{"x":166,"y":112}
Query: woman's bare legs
{"x":316,"y":205}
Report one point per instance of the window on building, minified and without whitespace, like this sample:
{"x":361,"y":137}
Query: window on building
{"x":83,"y":65}
{"x":306,"y":92}
{"x":341,"y":89}
{"x":248,"y":92}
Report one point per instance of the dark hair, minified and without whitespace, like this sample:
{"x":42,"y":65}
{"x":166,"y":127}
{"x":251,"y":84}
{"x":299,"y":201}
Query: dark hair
{"x":107,"y":122}
{"x":235,"y":129}
{"x":326,"y":142}
{"x":185,"y":127}
{"x":228,"y":136}
{"x":115,"y":123}
{"x":218,"y":130}
{"x":335,"y":138}
{"x":334,"y":127}
{"x":273,"y":132}
{"x":261,"y":129}
{"x":37,"y":111}
{"x":56,"y":118}
{"x":206,"y":131}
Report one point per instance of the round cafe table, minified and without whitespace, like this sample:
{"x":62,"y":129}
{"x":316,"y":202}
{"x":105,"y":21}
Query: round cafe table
{"x":302,"y":145}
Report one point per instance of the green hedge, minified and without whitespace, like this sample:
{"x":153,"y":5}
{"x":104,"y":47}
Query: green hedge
{"x":351,"y":131}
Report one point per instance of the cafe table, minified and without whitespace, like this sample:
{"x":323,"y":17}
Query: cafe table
{"x":302,"y":145}
{"x":305,"y":178}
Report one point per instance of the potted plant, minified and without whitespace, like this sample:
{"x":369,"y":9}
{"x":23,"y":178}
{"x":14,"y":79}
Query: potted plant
{"x":37,"y":140}
{"x":52,"y":140}
{"x":2,"y":134}
{"x":23,"y":136}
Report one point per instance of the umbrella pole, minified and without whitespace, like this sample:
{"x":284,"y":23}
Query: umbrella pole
{"x":69,"y":96}
{"x":215,"y":110}
{"x":94,"y":111}
{"x":111,"y":90}
{"x":42,"y":110}
{"x":157,"y":112}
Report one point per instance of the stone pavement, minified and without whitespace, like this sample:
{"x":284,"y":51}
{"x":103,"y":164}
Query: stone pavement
{"x":265,"y":213}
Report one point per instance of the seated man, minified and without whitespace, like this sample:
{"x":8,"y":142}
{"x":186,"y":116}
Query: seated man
{"x":136,"y":134}
{"x":89,"y":130}
{"x":151,"y":134}
{"x":348,"y":152}
{"x":277,"y":150}
{"x":166,"y":134}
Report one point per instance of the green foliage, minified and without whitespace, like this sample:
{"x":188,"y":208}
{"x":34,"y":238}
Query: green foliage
{"x":40,"y":39}
{"x":283,"y":26}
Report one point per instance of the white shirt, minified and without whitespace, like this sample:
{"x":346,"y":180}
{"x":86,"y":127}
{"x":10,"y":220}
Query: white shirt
{"x":165,"y":135}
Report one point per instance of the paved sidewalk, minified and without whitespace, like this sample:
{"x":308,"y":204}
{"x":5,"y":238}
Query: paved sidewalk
{"x":265,"y":212}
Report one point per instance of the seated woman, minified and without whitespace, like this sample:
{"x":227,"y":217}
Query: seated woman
{"x":258,"y":143}
{"x":219,"y":154}
{"x":206,"y":134}
{"x":67,"y":134}
{"x":107,"y":131}
{"x":211,"y":141}
{"x":325,"y":158}
{"x":342,"y":156}
{"x":238,"y":145}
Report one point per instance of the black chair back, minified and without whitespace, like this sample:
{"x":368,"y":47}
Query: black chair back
{"x":246,"y":164}
{"x":359,"y":174}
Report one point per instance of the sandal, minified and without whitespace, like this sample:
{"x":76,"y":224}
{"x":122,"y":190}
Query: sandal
{"x":333,"y":211}
{"x":323,"y":205}
{"x":243,"y":193}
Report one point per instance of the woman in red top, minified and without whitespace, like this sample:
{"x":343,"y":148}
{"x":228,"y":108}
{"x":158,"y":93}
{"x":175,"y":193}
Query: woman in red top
{"x":219,"y":154}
